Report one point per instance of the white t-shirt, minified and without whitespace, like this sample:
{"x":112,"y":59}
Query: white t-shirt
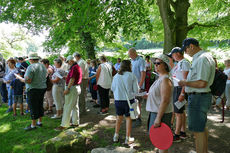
{"x":129,"y":83}
{"x":227,"y":72}
{"x":177,"y":71}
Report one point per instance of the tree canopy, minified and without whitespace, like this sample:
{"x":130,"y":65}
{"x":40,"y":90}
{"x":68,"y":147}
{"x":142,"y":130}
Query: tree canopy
{"x":82,"y":25}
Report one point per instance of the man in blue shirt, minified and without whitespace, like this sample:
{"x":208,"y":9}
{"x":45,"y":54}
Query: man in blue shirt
{"x":118,"y":64}
{"x":139,"y":70}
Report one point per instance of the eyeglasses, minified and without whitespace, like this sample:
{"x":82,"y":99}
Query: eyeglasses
{"x":157,"y":63}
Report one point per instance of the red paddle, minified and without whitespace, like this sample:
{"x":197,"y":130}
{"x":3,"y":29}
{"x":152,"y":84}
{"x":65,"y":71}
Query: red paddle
{"x":161,"y":137}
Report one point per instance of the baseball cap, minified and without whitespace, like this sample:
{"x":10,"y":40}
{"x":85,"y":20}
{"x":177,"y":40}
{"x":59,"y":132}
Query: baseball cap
{"x":175,"y":50}
{"x":70,"y":57}
{"x":189,"y":41}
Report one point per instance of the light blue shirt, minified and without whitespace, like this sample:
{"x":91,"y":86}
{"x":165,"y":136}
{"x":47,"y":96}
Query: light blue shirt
{"x":128,"y":84}
{"x":117,"y":66}
{"x":138,"y":66}
{"x":37,"y":72}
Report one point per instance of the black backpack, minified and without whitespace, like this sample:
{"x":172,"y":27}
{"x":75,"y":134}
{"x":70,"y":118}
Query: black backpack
{"x":219,"y":83}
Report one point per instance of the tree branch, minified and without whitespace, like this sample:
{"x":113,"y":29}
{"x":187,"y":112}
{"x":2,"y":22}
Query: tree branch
{"x":191,"y":26}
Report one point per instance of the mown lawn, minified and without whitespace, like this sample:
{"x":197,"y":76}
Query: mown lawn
{"x":13,"y":137}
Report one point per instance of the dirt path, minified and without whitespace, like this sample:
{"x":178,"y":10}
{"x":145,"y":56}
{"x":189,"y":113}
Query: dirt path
{"x":219,"y":133}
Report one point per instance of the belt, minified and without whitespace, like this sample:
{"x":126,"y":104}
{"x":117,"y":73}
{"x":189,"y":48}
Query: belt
{"x":198,"y":93}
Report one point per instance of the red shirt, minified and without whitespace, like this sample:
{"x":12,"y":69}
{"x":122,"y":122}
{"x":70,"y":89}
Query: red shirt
{"x":76,"y":73}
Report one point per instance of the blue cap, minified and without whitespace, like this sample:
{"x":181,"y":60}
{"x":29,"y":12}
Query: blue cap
{"x":189,"y":41}
{"x":175,"y":50}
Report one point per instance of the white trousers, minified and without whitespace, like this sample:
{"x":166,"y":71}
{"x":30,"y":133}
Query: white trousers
{"x":58,"y":96}
{"x":71,"y":105}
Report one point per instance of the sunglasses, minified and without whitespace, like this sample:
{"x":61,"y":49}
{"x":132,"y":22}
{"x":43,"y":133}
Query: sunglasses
{"x":157,"y":63}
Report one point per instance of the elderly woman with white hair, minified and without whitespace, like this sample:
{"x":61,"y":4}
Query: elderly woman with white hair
{"x":160,"y":97}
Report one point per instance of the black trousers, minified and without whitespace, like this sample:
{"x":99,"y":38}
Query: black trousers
{"x":104,"y":97}
{"x":35,"y":102}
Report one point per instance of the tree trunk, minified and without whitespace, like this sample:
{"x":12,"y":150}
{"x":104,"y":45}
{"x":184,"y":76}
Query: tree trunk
{"x":181,"y":11}
{"x":175,"y":22}
{"x":88,"y":44}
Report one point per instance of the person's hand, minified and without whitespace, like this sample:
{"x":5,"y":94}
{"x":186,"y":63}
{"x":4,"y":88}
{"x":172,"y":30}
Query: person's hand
{"x":145,"y":96}
{"x":181,"y":98}
{"x":157,"y":123}
{"x":66,"y":92}
{"x":182,"y":83}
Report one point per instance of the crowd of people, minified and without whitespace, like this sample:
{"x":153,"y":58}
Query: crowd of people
{"x":66,"y":83}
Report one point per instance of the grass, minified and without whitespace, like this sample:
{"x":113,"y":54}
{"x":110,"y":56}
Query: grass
{"x":13,"y":137}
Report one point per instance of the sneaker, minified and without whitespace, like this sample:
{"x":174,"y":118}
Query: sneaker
{"x":74,"y":125}
{"x":15,"y":114}
{"x":183,"y":135}
{"x":60,"y":128}
{"x":129,"y":140}
{"x":56,"y":117}
{"x":176,"y":138}
{"x":27,"y":111}
{"x":9,"y":110}
{"x":39,"y":125}
{"x":22,"y":114}
{"x":115,"y":138}
{"x":29,"y":128}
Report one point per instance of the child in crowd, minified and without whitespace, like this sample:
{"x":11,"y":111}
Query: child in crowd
{"x":17,"y":87}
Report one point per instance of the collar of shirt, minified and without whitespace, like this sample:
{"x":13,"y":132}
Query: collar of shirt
{"x":195,"y":56}
{"x":136,"y":58}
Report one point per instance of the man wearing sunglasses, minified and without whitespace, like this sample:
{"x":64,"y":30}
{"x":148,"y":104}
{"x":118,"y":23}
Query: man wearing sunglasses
{"x":197,"y":86}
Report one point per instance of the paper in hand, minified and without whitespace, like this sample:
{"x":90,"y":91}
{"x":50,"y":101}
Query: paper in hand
{"x":180,"y":104}
{"x":18,"y":76}
{"x":58,"y":75}
{"x":140,"y":94}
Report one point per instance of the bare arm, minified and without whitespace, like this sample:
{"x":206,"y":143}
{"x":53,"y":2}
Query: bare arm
{"x":194,"y":84}
{"x":56,"y":80}
{"x":98,"y":73}
{"x":166,"y":91}
{"x":71,"y":82}
{"x":182,"y":94}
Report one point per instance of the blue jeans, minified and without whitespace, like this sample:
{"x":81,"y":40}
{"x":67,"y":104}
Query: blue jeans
{"x":198,"y":106}
{"x":165,"y":119}
{"x":10,"y":96}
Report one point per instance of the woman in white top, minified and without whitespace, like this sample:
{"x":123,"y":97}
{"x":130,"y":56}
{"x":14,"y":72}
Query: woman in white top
{"x":227,"y":88}
{"x":160,"y":95}
{"x":104,"y":81}
{"x":124,"y":83}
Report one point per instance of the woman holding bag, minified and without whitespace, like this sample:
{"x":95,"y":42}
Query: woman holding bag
{"x":124,"y":85}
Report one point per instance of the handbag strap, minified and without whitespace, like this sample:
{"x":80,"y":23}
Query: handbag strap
{"x":126,"y":93}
